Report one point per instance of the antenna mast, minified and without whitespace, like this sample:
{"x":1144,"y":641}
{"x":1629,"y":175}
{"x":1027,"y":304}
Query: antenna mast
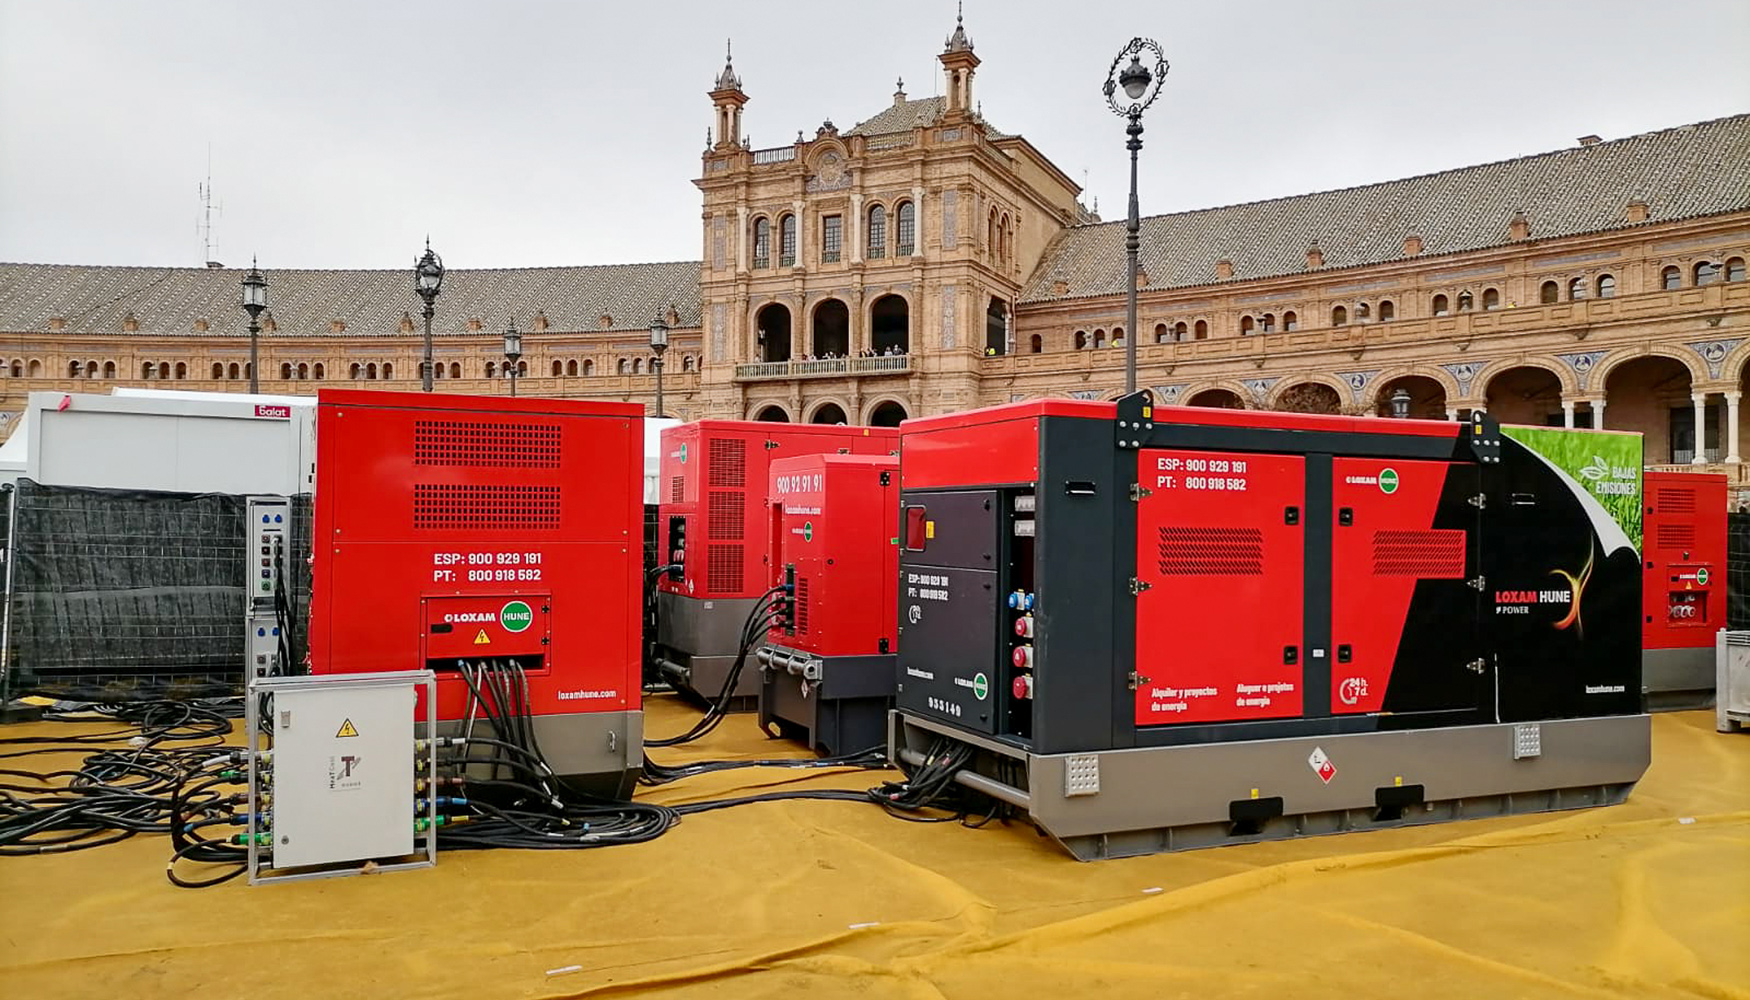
{"x":205,"y":226}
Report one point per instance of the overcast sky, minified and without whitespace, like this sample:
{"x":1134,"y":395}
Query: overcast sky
{"x":524,"y":133}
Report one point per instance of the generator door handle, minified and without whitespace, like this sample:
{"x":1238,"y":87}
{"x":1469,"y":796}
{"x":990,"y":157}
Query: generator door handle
{"x":1345,"y":653}
{"x":1291,"y":515}
{"x":1290,"y":655}
{"x":1346,"y":516}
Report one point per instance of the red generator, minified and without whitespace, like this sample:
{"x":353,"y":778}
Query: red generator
{"x":468,"y":529}
{"x":712,"y":533}
{"x":826,"y":672}
{"x":1685,"y":589}
{"x":1153,"y":629}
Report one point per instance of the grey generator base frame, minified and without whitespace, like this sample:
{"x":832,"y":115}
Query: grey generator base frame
{"x":1152,"y":800}
{"x":1678,"y":680}
{"x":702,"y":638}
{"x":598,"y":752}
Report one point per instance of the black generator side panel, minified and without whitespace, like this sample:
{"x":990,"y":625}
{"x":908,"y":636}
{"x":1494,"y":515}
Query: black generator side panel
{"x":948,"y":649}
{"x":119,"y":594}
{"x":1738,"y":570}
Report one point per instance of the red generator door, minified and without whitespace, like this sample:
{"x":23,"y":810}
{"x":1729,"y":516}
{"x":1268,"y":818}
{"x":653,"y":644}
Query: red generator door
{"x":1401,"y":595}
{"x":1221,"y":552}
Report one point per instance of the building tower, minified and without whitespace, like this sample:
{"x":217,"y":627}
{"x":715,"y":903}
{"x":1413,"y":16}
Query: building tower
{"x":728,"y":98}
{"x":958,"y":64}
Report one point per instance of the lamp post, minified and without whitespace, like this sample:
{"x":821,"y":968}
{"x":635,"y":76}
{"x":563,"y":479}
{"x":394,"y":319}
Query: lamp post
{"x":254,"y":301}
{"x":658,"y":344}
{"x":513,"y":352}
{"x":1400,"y":404}
{"x":428,"y":280}
{"x":1140,"y":86}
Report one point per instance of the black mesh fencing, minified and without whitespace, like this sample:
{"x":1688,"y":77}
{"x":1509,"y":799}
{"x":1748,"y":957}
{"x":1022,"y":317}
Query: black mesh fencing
{"x":120,"y":594}
{"x":1738,"y":571}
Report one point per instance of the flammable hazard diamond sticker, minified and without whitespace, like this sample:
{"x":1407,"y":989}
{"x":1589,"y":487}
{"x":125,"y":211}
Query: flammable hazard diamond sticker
{"x":1321,"y":765}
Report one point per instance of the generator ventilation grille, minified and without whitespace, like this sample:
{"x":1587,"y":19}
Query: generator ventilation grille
{"x":473,"y":507}
{"x":802,"y":605}
{"x":1677,"y":500}
{"x":724,"y":576}
{"x":1424,"y":553}
{"x":728,"y":462}
{"x":726,"y":519}
{"x":677,"y":489}
{"x":1676,"y":536}
{"x":480,"y":445}
{"x":1211,"y":552}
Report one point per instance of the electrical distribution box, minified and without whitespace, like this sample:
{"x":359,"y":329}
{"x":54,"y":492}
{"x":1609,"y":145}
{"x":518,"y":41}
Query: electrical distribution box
{"x":827,"y":669}
{"x":1122,"y":596}
{"x":267,"y":534}
{"x":712,"y":527}
{"x":461,"y":528}
{"x":1683,"y":602}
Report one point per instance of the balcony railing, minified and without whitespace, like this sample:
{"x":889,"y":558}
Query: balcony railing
{"x":780,"y":154}
{"x":886,"y":364}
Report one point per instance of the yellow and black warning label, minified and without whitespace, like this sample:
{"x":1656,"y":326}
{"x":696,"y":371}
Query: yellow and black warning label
{"x":347,"y":729}
{"x":482,"y":638}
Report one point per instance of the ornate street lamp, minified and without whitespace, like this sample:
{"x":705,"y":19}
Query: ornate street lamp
{"x":254,"y":301}
{"x":513,"y":352}
{"x":1400,"y":404}
{"x":658,"y":344}
{"x":1140,"y":86}
{"x":428,"y":280}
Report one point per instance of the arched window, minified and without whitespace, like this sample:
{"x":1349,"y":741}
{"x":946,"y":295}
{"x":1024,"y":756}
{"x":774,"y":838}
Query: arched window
{"x":1339,"y":316}
{"x":1491,"y":299}
{"x":36,"y":368}
{"x":1606,"y":286}
{"x":1466,"y":302}
{"x":90,"y":369}
{"x":108,"y":369}
{"x":1035,"y":344}
{"x":304,"y":371}
{"x":637,"y":366}
{"x":321,"y":372}
{"x":1081,"y":339}
{"x":1706,"y":272}
{"x":588,"y":367}
{"x":559,"y":368}
{"x":1439,"y":307}
{"x":990,"y":234}
{"x":232,"y":371}
{"x":388,"y":369}
{"x":1268,"y":323}
{"x":687,"y":363}
{"x":357,"y":370}
{"x":623,"y":366}
{"x":1005,"y":246}
{"x":218,"y":370}
{"x":571,"y":367}
{"x":285,"y":369}
{"x":1162,"y":334}
{"x":905,"y":235}
{"x":491,"y":369}
{"x":74,"y":368}
{"x":1202,"y":330}
{"x":1099,"y":339}
{"x":1117,"y":336}
{"x":787,"y":241}
{"x":1246,"y":326}
{"x":877,"y":232}
{"x":1289,"y":321}
{"x":1735,"y":269}
{"x":522,"y":368}
{"x":1577,"y":288}
{"x":1180,"y":330}
{"x":248,"y":370}
{"x":1387,"y":311}
{"x":1549,"y":292}
{"x":181,"y":369}
{"x":1670,"y":279}
{"x":371,"y":370}
{"x":147,"y":370}
{"x":1363,"y":312}
{"x":762,"y":242}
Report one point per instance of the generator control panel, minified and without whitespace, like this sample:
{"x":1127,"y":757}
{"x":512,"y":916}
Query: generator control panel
{"x":267,"y":548}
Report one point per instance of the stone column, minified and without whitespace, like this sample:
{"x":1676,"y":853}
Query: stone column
{"x":1568,"y":414}
{"x":1452,"y":415}
{"x":917,"y":204}
{"x":801,"y":230}
{"x":1700,"y":400}
{"x":1732,"y":426}
{"x":854,"y":231}
{"x":1598,"y":414}
{"x":741,"y":237}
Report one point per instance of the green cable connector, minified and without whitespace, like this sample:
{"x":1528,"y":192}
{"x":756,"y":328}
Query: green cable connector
{"x":261,"y":839}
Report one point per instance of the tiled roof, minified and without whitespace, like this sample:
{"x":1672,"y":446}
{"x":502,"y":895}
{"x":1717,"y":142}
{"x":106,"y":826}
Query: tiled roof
{"x":169,"y":300}
{"x":1685,"y":172}
{"x":903,"y":116}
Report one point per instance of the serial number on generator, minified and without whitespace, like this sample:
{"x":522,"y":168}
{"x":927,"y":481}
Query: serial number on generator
{"x":944,"y":706}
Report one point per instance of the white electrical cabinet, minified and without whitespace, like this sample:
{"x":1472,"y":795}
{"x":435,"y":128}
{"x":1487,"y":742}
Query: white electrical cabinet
{"x":338,"y":787}
{"x":1732,"y":681}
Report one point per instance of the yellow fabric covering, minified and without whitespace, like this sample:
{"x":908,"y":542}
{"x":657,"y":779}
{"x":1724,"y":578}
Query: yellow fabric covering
{"x":834,"y":899}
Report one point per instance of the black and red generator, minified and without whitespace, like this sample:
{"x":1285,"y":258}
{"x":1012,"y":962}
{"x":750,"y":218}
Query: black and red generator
{"x":712,"y":532}
{"x":1163,"y":628}
{"x":466,"y":531}
{"x":1685,"y":593}
{"x":826,"y":670}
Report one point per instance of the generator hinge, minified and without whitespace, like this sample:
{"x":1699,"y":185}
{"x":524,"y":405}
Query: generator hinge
{"x":1138,"y":586}
{"x":1138,"y":491}
{"x":1477,"y":583}
{"x":1137,"y":680}
{"x":1476,"y":666}
{"x":1479,"y":501}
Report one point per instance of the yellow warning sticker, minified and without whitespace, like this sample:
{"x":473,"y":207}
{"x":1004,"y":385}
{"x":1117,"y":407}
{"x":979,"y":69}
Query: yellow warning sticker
{"x":347,"y":729}
{"x":482,"y":638}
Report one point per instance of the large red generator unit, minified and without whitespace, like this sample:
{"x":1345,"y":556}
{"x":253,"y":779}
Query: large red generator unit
{"x":455,"y":530}
{"x":826,"y":671}
{"x":1684,"y":599}
{"x":1165,"y":628}
{"x":712,"y":529}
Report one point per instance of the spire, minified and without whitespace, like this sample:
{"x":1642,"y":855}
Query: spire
{"x":727,"y":80}
{"x":958,"y":42}
{"x":899,"y":91}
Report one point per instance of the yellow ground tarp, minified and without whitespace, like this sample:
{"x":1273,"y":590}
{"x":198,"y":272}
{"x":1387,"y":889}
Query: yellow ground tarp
{"x":831,"y":899}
